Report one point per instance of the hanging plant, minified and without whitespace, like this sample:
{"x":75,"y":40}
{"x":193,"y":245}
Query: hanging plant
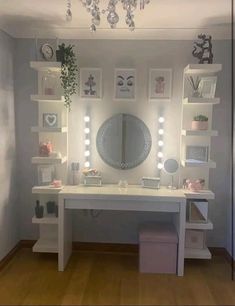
{"x":69,"y":70}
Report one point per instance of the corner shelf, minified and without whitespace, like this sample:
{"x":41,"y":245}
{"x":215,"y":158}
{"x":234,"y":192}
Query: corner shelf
{"x":46,"y":246}
{"x":39,"y":129}
{"x":209,"y":164}
{"x":204,"y":133}
{"x":202,"y":68}
{"x":46,"y":190}
{"x":49,"y":160}
{"x":202,"y":194}
{"x":47,"y":219}
{"x":47,"y":98}
{"x":197,"y":253}
{"x":199,"y":226}
{"x":201,"y":101}
{"x":46,"y":66}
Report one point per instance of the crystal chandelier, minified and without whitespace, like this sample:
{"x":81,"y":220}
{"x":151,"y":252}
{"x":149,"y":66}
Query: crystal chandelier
{"x":129,"y":6}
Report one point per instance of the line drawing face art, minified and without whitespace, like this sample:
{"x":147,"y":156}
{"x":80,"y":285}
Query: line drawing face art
{"x":160,"y":85}
{"x":91,"y":84}
{"x":125,"y":84}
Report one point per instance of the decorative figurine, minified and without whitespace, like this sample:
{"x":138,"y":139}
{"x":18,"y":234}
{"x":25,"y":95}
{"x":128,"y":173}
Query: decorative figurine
{"x":203,"y":49}
{"x":39,"y":210}
{"x":45,"y":148}
{"x":89,"y":172}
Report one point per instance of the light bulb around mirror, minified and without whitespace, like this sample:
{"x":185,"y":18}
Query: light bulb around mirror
{"x":161,"y":119}
{"x":86,"y":130}
{"x":87,"y":142}
{"x":87,"y":164}
{"x":87,"y":153}
{"x":160,"y":143}
{"x":160,"y":131}
{"x":160,"y":165}
{"x":86,"y":118}
{"x":160,"y":154}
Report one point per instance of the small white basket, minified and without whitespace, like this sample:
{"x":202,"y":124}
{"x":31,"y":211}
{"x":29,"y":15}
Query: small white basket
{"x":92,"y":180}
{"x":151,"y":182}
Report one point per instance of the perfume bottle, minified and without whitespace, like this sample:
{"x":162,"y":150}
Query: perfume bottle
{"x":75,"y":173}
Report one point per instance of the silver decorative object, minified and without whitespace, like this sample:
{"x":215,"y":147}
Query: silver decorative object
{"x":129,"y":6}
{"x":69,"y":11}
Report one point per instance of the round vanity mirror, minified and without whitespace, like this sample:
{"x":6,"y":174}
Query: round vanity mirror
{"x":171,"y":166}
{"x":123,"y":141}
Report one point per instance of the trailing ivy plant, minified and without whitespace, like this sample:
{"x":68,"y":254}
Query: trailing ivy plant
{"x":69,"y":70}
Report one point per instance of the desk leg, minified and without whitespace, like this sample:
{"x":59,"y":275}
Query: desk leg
{"x":180,"y":220}
{"x":64,"y":235}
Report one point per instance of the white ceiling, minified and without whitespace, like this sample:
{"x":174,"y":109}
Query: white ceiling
{"x":161,"y":19}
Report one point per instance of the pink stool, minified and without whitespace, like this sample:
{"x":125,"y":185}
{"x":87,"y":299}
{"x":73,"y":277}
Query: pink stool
{"x":158,"y":248}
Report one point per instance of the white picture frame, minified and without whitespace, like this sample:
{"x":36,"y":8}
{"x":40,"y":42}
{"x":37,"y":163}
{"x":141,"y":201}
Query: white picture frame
{"x":50,"y":120}
{"x":46,"y":174}
{"x":91,"y":83}
{"x":207,"y":87}
{"x":125,"y":84}
{"x":197,"y":154}
{"x":160,"y":84}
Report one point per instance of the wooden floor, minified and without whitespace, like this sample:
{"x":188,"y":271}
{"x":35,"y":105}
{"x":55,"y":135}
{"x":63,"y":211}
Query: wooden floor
{"x":111,"y":279}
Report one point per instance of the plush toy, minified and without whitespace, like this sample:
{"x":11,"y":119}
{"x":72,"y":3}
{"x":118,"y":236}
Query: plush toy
{"x":91,"y":172}
{"x":195,"y":185}
{"x":45,"y":148}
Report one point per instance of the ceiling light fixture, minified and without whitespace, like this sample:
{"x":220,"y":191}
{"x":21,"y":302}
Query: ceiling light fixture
{"x":92,"y":7}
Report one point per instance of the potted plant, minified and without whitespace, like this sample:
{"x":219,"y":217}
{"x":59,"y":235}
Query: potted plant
{"x":200,"y":122}
{"x":69,"y":68}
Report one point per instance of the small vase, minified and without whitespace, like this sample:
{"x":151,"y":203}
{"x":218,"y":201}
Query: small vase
{"x":39,"y":210}
{"x":199,"y":125}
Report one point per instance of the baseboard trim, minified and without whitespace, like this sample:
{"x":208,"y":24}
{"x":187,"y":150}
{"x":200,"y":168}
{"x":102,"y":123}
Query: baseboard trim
{"x":120,"y":248}
{"x":10,"y":255}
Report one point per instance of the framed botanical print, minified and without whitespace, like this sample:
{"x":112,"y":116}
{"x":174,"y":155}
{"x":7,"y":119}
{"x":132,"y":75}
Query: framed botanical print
{"x":160,"y":84}
{"x":124,"y":84}
{"x":46,"y":174}
{"x":91,"y":83}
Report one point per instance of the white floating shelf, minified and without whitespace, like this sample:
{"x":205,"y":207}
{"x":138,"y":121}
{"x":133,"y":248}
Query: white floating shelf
{"x":47,"y":98}
{"x":202,"y":68}
{"x":38,"y":129}
{"x":199,"y":226}
{"x":46,"y":66}
{"x":48,"y":219}
{"x":204,"y":133}
{"x":49,"y":160}
{"x":202,"y":194}
{"x":201,"y":101}
{"x":46,"y":246}
{"x":197,"y":253}
{"x":209,"y":164}
{"x":46,"y":190}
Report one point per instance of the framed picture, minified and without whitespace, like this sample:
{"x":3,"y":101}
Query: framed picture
{"x":207,"y":87}
{"x":46,"y":174}
{"x":124,"y":84}
{"x":197,"y":153}
{"x":91,"y":83}
{"x":50,"y":120}
{"x":160,"y":84}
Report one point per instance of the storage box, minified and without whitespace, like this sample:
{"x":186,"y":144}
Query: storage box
{"x":151,"y":182}
{"x":198,"y":211}
{"x":195,"y":239}
{"x":158,"y":243}
{"x":92,"y":180}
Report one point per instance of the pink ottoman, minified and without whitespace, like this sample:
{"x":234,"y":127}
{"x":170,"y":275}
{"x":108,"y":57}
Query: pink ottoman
{"x":158,"y":244}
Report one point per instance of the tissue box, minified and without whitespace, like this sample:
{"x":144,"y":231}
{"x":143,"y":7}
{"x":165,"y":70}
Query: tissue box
{"x":92,"y":180}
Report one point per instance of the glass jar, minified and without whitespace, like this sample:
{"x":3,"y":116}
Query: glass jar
{"x":49,"y":83}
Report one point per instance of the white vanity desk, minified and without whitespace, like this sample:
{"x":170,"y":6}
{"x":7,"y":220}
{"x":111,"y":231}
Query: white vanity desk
{"x":111,"y":197}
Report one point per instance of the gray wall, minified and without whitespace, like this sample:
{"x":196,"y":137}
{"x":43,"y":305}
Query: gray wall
{"x":9,"y":219}
{"x":119,"y":226}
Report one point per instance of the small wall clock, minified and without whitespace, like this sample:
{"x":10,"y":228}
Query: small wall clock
{"x":47,"y":52}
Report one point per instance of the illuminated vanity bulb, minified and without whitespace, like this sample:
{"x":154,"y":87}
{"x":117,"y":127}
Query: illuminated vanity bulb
{"x":87,"y":153}
{"x":160,"y":165}
{"x":160,"y":131}
{"x":87,"y":130}
{"x":160,"y":143}
{"x":87,"y":142}
{"x":160,"y":154}
{"x":161,"y":119}
{"x":87,"y":164}
{"x":87,"y":119}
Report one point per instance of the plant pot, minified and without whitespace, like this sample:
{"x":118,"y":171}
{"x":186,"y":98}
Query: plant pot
{"x":199,"y":125}
{"x":60,"y":56}
{"x":50,"y":207}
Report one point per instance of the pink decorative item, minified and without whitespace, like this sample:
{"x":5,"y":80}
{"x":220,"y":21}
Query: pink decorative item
{"x":195,"y":185}
{"x":57,"y":183}
{"x":158,"y":248}
{"x":45,"y":148}
{"x":199,"y":125}
{"x":89,"y":171}
{"x":49,"y":91}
